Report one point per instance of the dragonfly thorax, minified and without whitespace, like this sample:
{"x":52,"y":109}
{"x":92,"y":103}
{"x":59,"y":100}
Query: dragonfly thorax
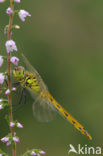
{"x":26,"y":79}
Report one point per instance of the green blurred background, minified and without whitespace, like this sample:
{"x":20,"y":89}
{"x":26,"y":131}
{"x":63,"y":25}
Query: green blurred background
{"x":63,"y":40}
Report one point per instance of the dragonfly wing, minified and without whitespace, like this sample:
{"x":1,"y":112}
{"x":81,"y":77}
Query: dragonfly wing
{"x":28,"y":65}
{"x":43,"y":110}
{"x":31,"y":69}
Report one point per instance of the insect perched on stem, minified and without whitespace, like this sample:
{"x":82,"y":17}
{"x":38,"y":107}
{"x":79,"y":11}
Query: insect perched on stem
{"x":45,"y":105}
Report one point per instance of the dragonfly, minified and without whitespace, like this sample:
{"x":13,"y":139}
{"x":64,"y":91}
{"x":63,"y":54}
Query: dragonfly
{"x":44,"y":106}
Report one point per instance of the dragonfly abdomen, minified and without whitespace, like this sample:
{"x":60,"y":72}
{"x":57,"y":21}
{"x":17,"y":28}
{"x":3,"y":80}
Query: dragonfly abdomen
{"x":68,"y":117}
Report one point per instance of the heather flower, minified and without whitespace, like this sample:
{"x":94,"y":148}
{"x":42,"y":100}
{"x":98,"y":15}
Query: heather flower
{"x":14,"y":89}
{"x":8,"y":143}
{"x":5,"y":31}
{"x":14,"y":60}
{"x":23,"y":14}
{"x":33,"y":153}
{"x":17,"y":1}
{"x":2,"y":78}
{"x":42,"y":152}
{"x":12,"y":124}
{"x":1,"y":1}
{"x":1,"y":100}
{"x":17,"y":27}
{"x":10,"y":46}
{"x":9,"y":11}
{"x":15,"y":139}
{"x":1,"y":155}
{"x":19,"y":125}
{"x":5,"y":139}
{"x":1,"y":106}
{"x":7,"y":92}
{"x":1,"y":61}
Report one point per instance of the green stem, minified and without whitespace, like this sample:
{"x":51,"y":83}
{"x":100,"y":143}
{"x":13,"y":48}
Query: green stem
{"x":9,"y":79}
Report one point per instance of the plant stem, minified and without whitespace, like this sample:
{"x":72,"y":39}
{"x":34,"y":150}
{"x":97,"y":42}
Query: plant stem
{"x":9,"y":79}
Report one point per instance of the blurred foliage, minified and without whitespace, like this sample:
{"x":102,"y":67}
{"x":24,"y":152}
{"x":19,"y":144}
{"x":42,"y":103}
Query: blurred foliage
{"x":63,"y":41}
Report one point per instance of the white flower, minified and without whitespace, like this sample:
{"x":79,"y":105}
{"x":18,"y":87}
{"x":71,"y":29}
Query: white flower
{"x":23,"y":14}
{"x":14,"y":89}
{"x":19,"y":125}
{"x":42,"y":152}
{"x":5,"y":139}
{"x":15,"y":139}
{"x":2,"y":78}
{"x":1,"y":100}
{"x":1,"y":61}
{"x":7,"y":92}
{"x":9,"y":11}
{"x":16,"y":26}
{"x":1,"y":1}
{"x":1,"y":106}
{"x":33,"y":153}
{"x":14,"y":60}
{"x":8,"y":143}
{"x":10,"y":46}
{"x":12,"y":124}
{"x":17,"y":1}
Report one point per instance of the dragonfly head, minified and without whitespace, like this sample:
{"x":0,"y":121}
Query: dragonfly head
{"x":18,"y":73}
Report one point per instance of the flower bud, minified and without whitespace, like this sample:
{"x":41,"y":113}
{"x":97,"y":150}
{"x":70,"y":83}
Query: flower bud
{"x":5,"y":139}
{"x":33,"y":153}
{"x":15,"y":139}
{"x":42,"y":152}
{"x":7,"y":92}
{"x":1,"y":61}
{"x":12,"y":124}
{"x":19,"y":125}
{"x":14,"y":60}
{"x":9,"y":11}
{"x":17,"y":1}
{"x":10,"y":46}
{"x":2,"y":78}
{"x":8,"y":143}
{"x":1,"y":1}
{"x":23,"y":14}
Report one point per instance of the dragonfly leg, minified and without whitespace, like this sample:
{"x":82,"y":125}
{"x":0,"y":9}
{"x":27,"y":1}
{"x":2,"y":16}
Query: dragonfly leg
{"x":23,"y":94}
{"x":20,"y":99}
{"x":15,"y":84}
